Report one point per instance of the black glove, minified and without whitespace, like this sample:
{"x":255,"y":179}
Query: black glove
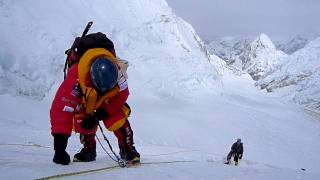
{"x":101,"y":114}
{"x":92,"y":121}
{"x":89,"y":122}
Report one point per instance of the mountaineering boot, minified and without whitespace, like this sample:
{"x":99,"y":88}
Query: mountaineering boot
{"x":130,"y":155}
{"x":125,"y":139}
{"x":236,"y":159}
{"x":60,"y":142}
{"x":85,"y":155}
{"x":88,"y":152}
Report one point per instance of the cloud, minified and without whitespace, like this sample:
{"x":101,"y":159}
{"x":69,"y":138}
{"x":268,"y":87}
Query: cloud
{"x":250,"y":17}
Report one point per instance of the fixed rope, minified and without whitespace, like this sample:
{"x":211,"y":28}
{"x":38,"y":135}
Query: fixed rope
{"x":109,"y":168}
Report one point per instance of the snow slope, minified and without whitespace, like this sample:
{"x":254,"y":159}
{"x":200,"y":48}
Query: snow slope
{"x":200,"y":129}
{"x":37,"y":33}
{"x":183,"y":109}
{"x":300,"y":74}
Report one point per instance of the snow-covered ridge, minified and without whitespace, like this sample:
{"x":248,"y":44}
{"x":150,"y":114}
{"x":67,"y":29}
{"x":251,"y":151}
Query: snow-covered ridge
{"x":293,"y":44}
{"x":260,"y":58}
{"x":257,"y":57}
{"x":274,"y":70}
{"x":300,"y":71}
{"x":34,"y":35}
{"x":227,"y":48}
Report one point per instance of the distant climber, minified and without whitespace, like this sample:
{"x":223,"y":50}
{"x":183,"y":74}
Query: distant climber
{"x":236,"y":152}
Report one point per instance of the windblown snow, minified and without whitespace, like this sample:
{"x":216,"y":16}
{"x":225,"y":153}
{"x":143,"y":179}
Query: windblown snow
{"x":188,"y":108}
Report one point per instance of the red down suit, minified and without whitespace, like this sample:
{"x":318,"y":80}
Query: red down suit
{"x":66,"y":112}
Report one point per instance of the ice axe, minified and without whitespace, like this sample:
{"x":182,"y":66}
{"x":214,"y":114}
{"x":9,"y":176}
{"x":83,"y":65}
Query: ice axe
{"x":68,"y":51}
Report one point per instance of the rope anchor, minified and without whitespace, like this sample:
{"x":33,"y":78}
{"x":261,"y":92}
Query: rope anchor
{"x":122,"y":163}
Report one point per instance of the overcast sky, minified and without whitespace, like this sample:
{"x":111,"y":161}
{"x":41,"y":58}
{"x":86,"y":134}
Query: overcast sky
{"x":276,"y":18}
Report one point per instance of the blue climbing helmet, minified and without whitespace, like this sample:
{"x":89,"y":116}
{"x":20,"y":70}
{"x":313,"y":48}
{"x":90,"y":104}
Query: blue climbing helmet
{"x":104,"y":74}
